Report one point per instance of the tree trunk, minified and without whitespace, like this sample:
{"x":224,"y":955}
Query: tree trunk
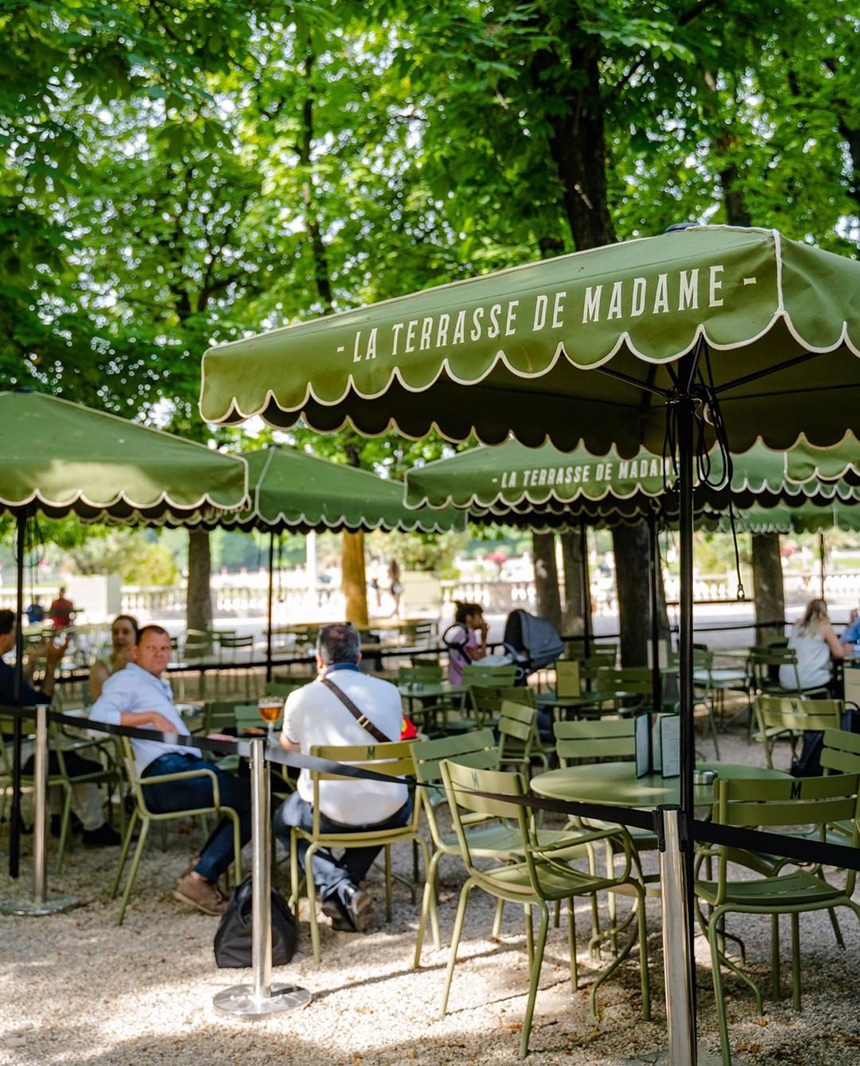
{"x":198,"y":603}
{"x":768,"y":587}
{"x":354,"y":578}
{"x":573,"y":603}
{"x":546,"y":578}
{"x":632,"y":545}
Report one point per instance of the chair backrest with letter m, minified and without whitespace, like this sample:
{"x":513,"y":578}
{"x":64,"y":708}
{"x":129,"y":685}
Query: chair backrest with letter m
{"x":788,"y":717}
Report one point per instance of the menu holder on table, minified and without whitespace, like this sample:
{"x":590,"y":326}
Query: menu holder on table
{"x":669,"y":728}
{"x":642,"y":743}
{"x":657,"y":740}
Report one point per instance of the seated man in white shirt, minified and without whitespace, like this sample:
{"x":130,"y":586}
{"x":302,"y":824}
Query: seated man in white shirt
{"x":315,"y":715}
{"x":138,"y":696}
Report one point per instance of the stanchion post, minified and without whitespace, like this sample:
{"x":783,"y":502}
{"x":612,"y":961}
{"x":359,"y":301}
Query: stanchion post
{"x":262,"y":998}
{"x":42,"y":902}
{"x":261,"y":868}
{"x":40,"y":795}
{"x":676,"y":943}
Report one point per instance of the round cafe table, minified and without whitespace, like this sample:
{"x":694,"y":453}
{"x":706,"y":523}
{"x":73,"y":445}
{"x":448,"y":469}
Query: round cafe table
{"x":617,"y":783}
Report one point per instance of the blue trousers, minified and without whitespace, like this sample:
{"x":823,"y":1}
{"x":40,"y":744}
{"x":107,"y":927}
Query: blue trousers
{"x":328,"y":871}
{"x":217,"y":853}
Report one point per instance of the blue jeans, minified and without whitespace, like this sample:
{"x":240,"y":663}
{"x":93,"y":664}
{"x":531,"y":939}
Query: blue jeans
{"x":217,"y":853}
{"x":329,"y":872}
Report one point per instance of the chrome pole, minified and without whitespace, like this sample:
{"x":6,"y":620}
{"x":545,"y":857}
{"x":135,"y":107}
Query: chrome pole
{"x":40,"y":790}
{"x":261,"y":893}
{"x":676,"y":956}
{"x":262,"y":997}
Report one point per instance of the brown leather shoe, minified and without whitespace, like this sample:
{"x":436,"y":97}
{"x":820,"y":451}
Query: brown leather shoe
{"x":203,"y":895}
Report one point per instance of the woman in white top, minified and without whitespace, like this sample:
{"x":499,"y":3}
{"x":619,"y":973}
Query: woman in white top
{"x":814,"y":640}
{"x":123,"y":637}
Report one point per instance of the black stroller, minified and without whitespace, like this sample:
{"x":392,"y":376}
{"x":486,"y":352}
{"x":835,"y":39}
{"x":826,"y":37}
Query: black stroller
{"x":531,"y":642}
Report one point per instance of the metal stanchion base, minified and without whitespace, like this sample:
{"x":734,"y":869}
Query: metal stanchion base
{"x":54,"y":904}
{"x":241,"y":1002}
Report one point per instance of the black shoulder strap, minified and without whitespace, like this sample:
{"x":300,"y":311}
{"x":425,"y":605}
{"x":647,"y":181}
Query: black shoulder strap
{"x":362,"y":719}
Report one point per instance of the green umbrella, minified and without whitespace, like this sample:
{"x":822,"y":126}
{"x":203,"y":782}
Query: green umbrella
{"x":292,"y":490}
{"x":514,"y":479}
{"x":503,"y":353}
{"x":709,"y":331}
{"x":61,"y":458}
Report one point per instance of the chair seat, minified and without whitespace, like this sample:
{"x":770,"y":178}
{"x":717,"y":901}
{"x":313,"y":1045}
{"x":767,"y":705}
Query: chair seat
{"x":800,"y":887}
{"x":500,"y":841}
{"x":556,"y":881}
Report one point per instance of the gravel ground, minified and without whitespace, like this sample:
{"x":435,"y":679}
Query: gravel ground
{"x":78,"y":990}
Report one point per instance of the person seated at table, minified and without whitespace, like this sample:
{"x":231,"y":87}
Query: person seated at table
{"x":466,"y":639}
{"x":851,"y":634}
{"x":62,"y":610}
{"x":139,"y":696}
{"x":314,"y":715}
{"x":86,"y":800}
{"x":123,"y":637}
{"x":814,"y":641}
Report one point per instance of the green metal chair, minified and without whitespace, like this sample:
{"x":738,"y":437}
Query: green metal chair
{"x":787,"y":717}
{"x":146,"y":817}
{"x":541,"y":877}
{"x":774,"y":804}
{"x":436,"y":716}
{"x":60,"y":744}
{"x":520,"y":743}
{"x":485,"y":701}
{"x":394,"y":759}
{"x":235,"y":652}
{"x":479,"y":674}
{"x":597,"y":740}
{"x":487,"y":836}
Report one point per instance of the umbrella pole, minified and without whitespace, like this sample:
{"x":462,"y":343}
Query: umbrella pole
{"x":822,"y":559}
{"x":586,"y":590}
{"x":653,"y":575}
{"x":269,"y":607}
{"x":685,"y":416}
{"x":15,"y":827}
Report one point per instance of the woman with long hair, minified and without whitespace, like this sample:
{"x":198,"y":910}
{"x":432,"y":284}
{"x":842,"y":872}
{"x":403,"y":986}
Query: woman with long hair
{"x":123,"y":637}
{"x":814,"y":641}
{"x":466,"y":639}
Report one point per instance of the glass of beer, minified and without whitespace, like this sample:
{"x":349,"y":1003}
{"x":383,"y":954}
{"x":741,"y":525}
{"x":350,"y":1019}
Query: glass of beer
{"x":270,"y":711}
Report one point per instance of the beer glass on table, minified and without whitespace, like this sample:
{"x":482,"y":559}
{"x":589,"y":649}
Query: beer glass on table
{"x":270,"y":711}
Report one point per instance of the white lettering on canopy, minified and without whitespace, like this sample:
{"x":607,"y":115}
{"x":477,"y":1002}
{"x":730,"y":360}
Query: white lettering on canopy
{"x":682,"y":291}
{"x":598,"y":472}
{"x":695,"y":289}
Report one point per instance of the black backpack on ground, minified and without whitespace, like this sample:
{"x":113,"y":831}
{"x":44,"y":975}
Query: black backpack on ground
{"x":233,"y":937}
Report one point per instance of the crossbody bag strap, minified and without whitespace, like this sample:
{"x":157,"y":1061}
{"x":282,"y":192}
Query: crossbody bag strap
{"x":362,"y":719}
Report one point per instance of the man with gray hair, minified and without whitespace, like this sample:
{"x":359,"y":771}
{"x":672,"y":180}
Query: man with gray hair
{"x":318,"y":714}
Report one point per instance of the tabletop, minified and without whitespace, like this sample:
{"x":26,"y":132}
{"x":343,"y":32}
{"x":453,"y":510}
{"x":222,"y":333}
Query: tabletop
{"x":431,"y":691}
{"x":617,"y":783}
